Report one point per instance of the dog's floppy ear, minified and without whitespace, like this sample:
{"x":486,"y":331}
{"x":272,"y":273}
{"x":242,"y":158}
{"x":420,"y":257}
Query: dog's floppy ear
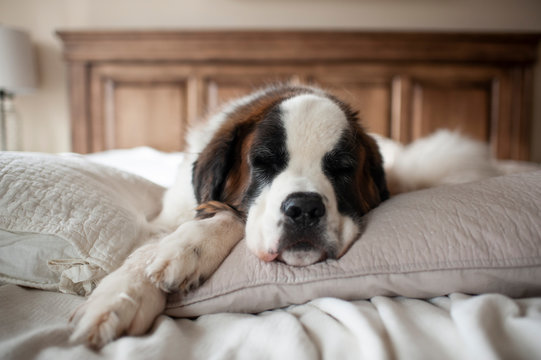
{"x":375,"y":161}
{"x":371,"y":176}
{"x":220,"y":172}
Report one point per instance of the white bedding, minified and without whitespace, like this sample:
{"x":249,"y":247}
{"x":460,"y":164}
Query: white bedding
{"x":154,"y":165}
{"x":451,"y":327}
{"x":458,"y":326}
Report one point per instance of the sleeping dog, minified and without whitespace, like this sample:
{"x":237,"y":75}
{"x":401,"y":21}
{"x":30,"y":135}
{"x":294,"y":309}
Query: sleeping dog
{"x":289,"y":169}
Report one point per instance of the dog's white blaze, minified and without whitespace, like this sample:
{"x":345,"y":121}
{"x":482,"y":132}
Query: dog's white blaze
{"x":261,"y":236}
{"x":314,"y":125}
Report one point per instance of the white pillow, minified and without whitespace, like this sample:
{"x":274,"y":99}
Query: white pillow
{"x":472,"y":238}
{"x":65,"y":222}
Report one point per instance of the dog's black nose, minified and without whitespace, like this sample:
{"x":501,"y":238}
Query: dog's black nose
{"x":304,"y":208}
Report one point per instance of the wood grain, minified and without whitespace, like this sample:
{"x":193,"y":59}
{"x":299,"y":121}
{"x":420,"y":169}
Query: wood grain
{"x":130,"y":88}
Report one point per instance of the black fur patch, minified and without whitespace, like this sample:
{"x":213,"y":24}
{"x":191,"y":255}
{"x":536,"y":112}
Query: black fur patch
{"x":268,"y":155}
{"x":340,"y":166}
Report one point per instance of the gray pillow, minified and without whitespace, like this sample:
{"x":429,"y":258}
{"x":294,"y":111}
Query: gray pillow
{"x":472,"y":238}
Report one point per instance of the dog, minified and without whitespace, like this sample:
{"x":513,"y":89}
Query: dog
{"x":288,"y":168}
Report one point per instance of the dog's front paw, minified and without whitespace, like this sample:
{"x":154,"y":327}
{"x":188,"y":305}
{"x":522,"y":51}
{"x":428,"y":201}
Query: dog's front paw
{"x":115,"y":308}
{"x":175,"y":268}
{"x":100,"y":320}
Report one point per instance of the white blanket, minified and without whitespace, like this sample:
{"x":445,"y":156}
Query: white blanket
{"x":455,"y":327}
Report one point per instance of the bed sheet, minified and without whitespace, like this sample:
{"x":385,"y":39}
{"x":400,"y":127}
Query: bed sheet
{"x":157,"y":166}
{"x":458,"y":326}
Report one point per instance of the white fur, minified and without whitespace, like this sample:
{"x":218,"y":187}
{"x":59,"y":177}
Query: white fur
{"x":179,"y":203}
{"x":445,"y":157}
{"x":193,"y":252}
{"x":129,"y":299}
{"x":124,"y":302}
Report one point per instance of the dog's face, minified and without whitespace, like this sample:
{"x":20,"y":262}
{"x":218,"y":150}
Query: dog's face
{"x":305,"y":173}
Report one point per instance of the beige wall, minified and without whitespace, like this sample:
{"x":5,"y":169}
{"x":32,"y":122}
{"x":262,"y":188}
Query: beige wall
{"x":45,"y":113}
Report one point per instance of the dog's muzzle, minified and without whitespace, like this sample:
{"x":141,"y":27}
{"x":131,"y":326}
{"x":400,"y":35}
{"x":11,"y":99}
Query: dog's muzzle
{"x":303,"y":216}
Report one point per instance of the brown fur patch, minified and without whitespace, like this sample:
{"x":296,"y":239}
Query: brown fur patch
{"x":211,"y":208}
{"x":370,"y":176}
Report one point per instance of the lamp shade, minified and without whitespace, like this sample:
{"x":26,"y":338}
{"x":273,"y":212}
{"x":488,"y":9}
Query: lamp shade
{"x":17,"y":65}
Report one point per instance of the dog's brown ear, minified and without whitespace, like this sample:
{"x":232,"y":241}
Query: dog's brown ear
{"x":376,"y":167}
{"x":220,"y":172}
{"x":371,"y":176}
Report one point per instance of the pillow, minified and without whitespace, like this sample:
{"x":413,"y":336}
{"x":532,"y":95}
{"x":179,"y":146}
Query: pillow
{"x":473,"y":238}
{"x":65,"y":222}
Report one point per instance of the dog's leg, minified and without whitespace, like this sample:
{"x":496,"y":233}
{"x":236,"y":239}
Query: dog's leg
{"x":188,"y":256}
{"x":125,"y":302}
{"x":128,"y":300}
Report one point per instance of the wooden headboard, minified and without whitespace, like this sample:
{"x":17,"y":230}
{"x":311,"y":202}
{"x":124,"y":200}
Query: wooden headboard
{"x":131,"y":88}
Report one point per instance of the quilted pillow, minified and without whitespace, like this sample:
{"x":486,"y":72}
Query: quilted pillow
{"x":65,"y":222}
{"x":472,"y":238}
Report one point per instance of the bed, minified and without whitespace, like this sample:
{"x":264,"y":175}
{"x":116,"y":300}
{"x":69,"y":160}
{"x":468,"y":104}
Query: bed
{"x":451,"y":272}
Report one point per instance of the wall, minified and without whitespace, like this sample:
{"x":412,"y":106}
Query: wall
{"x":45,"y":113}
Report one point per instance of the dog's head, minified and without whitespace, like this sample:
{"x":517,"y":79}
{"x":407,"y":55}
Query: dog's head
{"x":297,"y":163}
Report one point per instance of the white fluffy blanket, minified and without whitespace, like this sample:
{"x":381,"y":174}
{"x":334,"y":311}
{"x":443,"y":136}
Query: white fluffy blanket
{"x":455,"y":327}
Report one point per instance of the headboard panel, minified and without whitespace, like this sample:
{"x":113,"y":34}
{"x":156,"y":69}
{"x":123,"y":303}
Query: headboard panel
{"x":130,"y":88}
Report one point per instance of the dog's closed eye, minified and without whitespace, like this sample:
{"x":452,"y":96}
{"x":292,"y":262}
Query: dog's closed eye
{"x":339,"y":163}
